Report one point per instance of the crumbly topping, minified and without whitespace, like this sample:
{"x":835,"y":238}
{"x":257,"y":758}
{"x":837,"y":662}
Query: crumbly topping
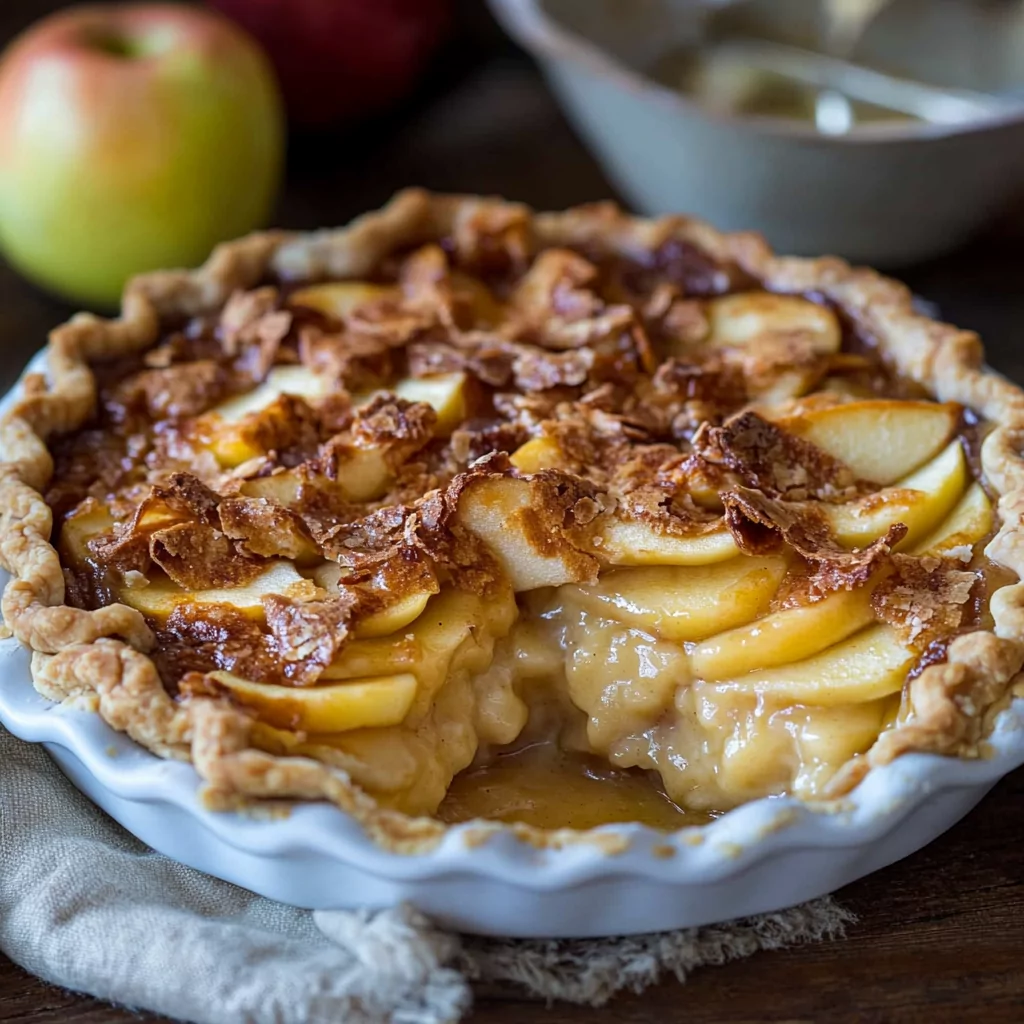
{"x":199,"y":557}
{"x":926,"y":599}
{"x":265,"y":528}
{"x":125,"y":552}
{"x":356,"y":359}
{"x":183,"y":495}
{"x":308,"y":634}
{"x":761,"y":525}
{"x":197,"y":639}
{"x":175,"y":391}
{"x":760,"y":454}
{"x":253,"y":327}
{"x":396,"y":426}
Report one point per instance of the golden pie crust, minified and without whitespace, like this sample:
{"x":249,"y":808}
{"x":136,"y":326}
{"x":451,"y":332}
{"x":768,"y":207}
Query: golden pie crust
{"x":100,"y":657}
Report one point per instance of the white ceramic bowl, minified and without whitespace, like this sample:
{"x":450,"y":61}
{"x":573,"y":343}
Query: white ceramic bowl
{"x":887,"y":194}
{"x":766,"y":855}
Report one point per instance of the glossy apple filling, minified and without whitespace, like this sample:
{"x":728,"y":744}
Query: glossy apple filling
{"x":632,"y":700}
{"x":547,"y":787}
{"x":626,"y":725}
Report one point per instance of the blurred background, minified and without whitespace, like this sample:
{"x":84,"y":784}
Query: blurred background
{"x":888,"y":132}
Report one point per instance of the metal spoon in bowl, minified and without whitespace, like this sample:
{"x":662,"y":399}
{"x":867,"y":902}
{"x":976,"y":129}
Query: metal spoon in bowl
{"x":731,"y":65}
{"x":843,"y":23}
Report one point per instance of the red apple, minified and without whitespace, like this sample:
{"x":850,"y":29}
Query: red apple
{"x":338,"y":58}
{"x":132,"y":137}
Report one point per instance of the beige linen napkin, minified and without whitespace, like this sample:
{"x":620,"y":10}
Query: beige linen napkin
{"x":86,"y":906}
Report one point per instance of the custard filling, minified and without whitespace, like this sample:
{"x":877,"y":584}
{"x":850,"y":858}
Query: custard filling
{"x":563,"y":545}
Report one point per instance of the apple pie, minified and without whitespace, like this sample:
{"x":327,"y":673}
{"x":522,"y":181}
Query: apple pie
{"x":424,"y":515}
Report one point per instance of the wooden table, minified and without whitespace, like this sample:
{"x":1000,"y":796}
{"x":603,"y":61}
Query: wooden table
{"x":940,"y":934}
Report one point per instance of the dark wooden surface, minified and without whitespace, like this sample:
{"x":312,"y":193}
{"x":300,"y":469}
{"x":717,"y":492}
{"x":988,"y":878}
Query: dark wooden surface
{"x":940,"y":934}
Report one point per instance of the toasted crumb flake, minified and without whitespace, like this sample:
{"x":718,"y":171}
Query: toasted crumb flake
{"x":925,"y":598}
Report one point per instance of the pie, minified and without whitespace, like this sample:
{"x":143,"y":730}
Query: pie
{"x":350,"y":515}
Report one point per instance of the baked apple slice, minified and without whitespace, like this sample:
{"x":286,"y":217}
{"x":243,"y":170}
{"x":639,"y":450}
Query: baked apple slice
{"x":686,"y":603}
{"x":402,"y":613}
{"x":776,"y":340}
{"x":740,"y":320}
{"x":868,"y":666}
{"x":93,"y":520}
{"x":880,"y":440}
{"x":820,"y":739}
{"x":970,"y":522}
{"x":282,"y":380}
{"x":338,"y":707}
{"x":632,"y":542}
{"x":363,"y":475}
{"x":282,"y":488}
{"x":783,"y":637}
{"x":79,"y":528}
{"x":445,"y":393}
{"x":397,"y":615}
{"x":537,"y":454}
{"x":232,"y":425}
{"x":835,"y":734}
{"x":921,"y":501}
{"x":371,"y":656}
{"x":157,"y":598}
{"x":426,"y":646}
{"x":500,"y":511}
{"x":338,"y":299}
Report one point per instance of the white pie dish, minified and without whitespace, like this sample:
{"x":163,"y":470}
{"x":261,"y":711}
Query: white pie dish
{"x":766,"y":855}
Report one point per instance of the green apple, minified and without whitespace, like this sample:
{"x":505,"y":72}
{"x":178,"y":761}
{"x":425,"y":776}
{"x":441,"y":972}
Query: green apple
{"x":132,"y":137}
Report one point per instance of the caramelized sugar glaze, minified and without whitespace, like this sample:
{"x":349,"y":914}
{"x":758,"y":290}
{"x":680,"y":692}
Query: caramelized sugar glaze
{"x":613,"y":539}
